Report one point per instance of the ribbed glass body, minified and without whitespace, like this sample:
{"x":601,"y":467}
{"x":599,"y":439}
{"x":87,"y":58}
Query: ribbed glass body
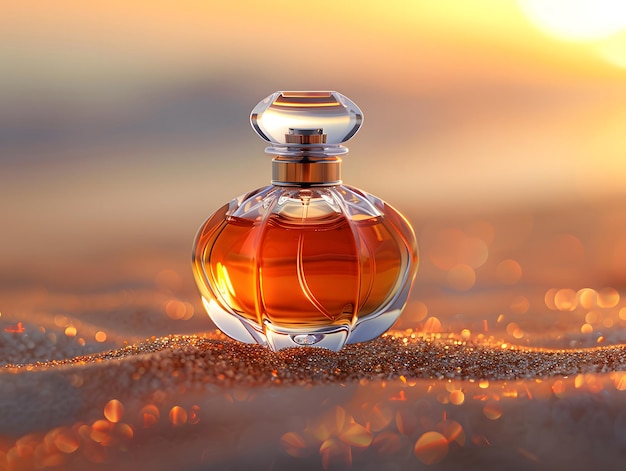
{"x":291,"y":266}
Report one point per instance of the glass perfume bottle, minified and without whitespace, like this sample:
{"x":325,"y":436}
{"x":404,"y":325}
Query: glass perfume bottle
{"x":305,"y":261}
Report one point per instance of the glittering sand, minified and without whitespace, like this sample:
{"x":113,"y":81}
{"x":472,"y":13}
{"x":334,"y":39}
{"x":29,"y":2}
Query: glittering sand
{"x":510,"y":355}
{"x":207,"y":402}
{"x":215,"y":359}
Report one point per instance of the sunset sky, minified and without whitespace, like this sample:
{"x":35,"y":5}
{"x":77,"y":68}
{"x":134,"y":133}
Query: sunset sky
{"x":127,"y":122}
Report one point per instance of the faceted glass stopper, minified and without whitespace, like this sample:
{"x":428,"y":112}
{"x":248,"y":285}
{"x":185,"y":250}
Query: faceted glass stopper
{"x":306,"y":119}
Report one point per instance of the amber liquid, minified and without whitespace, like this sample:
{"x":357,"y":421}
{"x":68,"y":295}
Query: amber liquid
{"x":297,"y":273}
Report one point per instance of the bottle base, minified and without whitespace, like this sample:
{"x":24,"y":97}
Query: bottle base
{"x":333,"y":337}
{"x":274,"y":337}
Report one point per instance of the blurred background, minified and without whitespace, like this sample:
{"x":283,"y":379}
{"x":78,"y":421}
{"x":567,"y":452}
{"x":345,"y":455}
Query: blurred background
{"x":123,"y":125}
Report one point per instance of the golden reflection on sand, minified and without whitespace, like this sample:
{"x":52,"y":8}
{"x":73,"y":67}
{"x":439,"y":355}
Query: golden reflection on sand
{"x":524,"y":365}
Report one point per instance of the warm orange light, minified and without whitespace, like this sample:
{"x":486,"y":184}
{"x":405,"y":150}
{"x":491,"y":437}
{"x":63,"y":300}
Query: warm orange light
{"x":178,"y":416}
{"x":65,"y":440}
{"x":150,"y":415}
{"x":294,"y":444}
{"x":431,"y":448}
{"x":432,"y":325}
{"x":577,"y":20}
{"x":608,"y":297}
{"x":492,"y":411}
{"x":620,"y":381}
{"x":461,"y":277}
{"x":380,"y":415}
{"x":15,"y":329}
{"x":356,"y":435}
{"x":100,"y":431}
{"x":453,"y":431}
{"x":587,"y":298}
{"x":114,"y":410}
{"x":457,"y":397}
{"x":565,"y":299}
{"x":70,"y":331}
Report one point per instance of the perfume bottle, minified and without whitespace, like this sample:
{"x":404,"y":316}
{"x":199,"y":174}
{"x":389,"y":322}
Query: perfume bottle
{"x":307,"y":260}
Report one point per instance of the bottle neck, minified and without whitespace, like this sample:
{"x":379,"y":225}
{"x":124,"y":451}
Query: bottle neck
{"x":306,"y":171}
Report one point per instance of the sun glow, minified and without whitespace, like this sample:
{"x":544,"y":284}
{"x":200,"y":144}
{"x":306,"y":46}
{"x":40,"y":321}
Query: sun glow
{"x":577,"y":20}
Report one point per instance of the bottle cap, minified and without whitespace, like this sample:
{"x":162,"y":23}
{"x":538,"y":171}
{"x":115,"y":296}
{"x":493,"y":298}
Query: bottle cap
{"x":306,"y":123}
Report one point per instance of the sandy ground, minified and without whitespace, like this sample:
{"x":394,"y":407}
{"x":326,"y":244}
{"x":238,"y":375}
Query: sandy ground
{"x":513,"y":358}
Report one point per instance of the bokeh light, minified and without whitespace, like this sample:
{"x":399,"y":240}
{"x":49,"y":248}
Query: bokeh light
{"x":496,"y":126}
